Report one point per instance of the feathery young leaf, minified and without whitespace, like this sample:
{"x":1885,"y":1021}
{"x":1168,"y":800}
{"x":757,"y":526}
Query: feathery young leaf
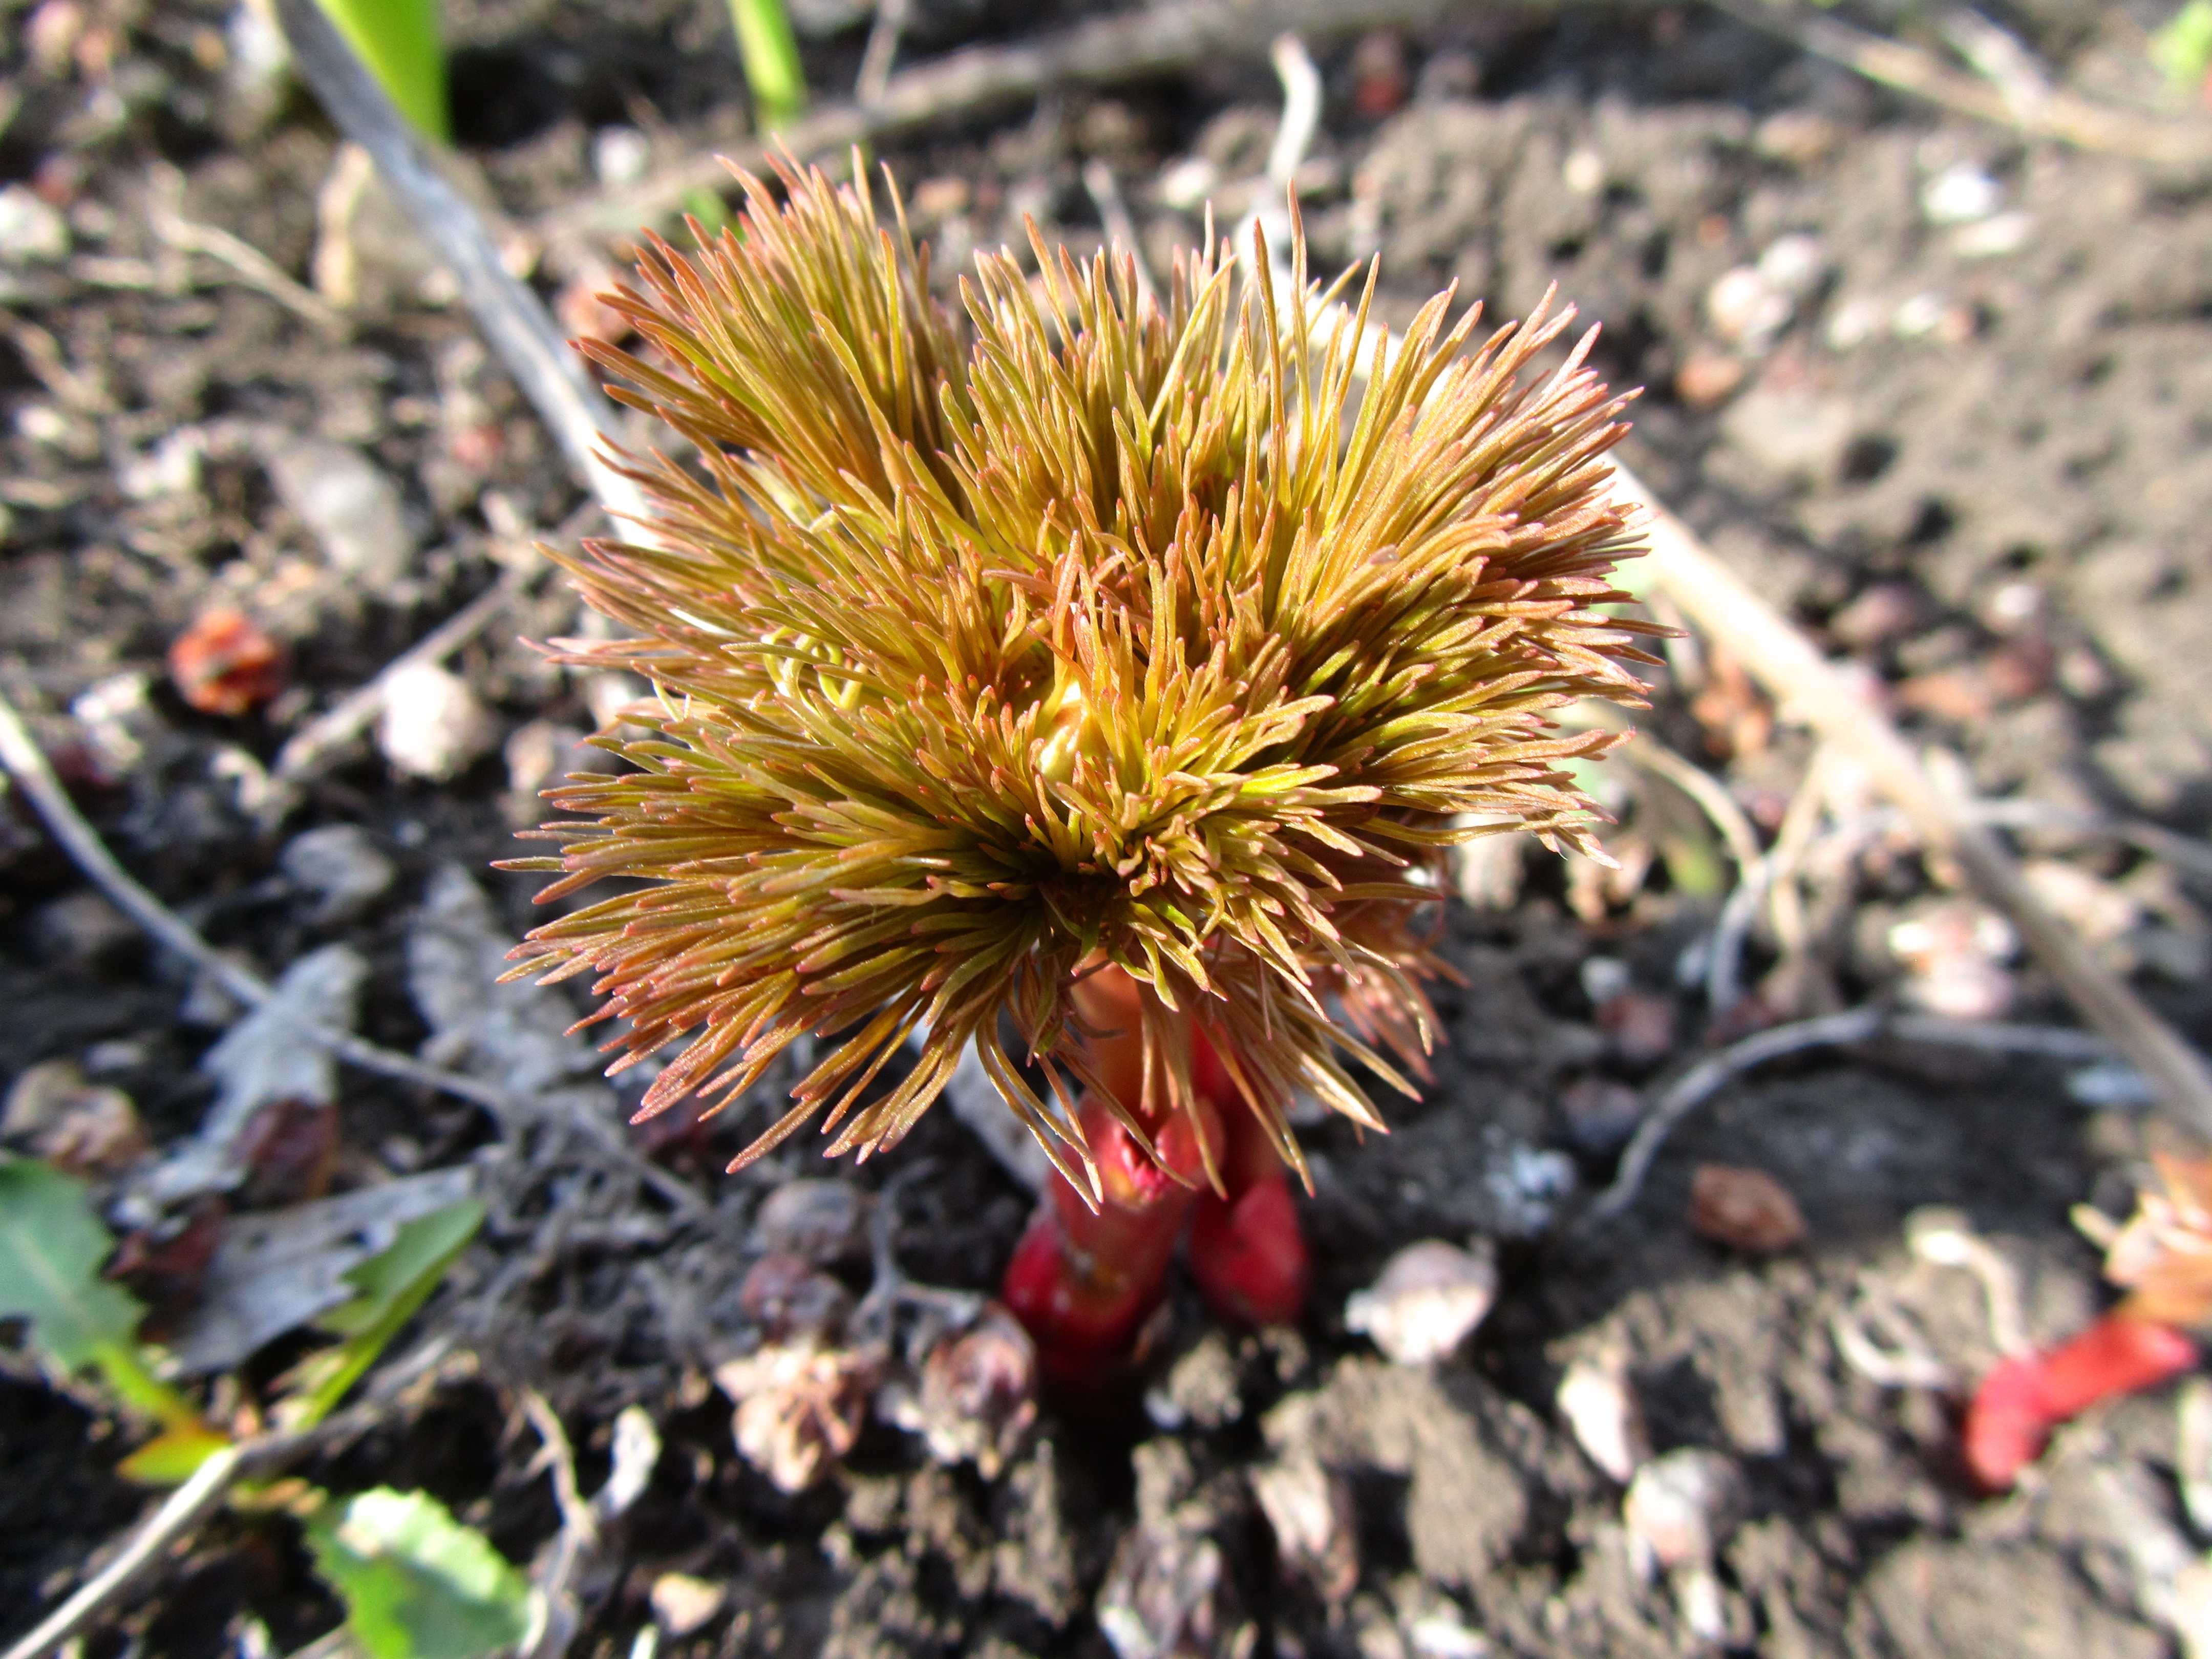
{"x":1077,"y":630}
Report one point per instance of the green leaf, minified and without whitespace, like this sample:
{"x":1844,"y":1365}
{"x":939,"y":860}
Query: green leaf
{"x":173,"y":1457}
{"x":417,"y":1583}
{"x":2183,"y":49}
{"x":52,"y":1249}
{"x":392,"y":1284}
{"x":771,"y":61}
{"x":398,"y":40}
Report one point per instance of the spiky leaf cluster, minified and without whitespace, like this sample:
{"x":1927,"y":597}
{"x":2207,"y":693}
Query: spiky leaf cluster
{"x":1078,"y":629}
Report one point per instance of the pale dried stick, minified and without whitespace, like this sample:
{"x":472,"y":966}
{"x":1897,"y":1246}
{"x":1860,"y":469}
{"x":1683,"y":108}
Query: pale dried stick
{"x":1715,"y":1071}
{"x":21,"y":755}
{"x":1804,"y":684}
{"x":248,"y":263}
{"x":556,"y":1616}
{"x":519,"y":328}
{"x":2057,"y":114}
{"x":183,"y":1510}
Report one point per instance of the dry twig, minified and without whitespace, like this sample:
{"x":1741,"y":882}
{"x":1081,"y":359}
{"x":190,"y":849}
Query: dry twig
{"x":1710,"y":1075}
{"x":248,"y":263}
{"x":19,"y":754}
{"x":1777,"y":653}
{"x":2052,"y":112}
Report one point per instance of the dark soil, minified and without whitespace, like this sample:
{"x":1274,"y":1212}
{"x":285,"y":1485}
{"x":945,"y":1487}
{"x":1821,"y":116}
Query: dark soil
{"x":1967,"y":451}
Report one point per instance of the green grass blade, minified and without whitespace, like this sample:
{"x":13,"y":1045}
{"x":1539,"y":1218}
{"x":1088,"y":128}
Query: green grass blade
{"x":399,"y":40}
{"x":771,"y":58}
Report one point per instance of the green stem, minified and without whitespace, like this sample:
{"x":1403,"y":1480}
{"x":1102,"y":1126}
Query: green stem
{"x":142,"y":1390}
{"x":399,"y":42}
{"x":771,"y":58}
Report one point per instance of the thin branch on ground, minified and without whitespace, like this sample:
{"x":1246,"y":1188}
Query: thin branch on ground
{"x":248,"y":263}
{"x":2059,"y":114}
{"x":181,"y":1514}
{"x":1805,"y":685}
{"x":881,"y":51}
{"x":517,"y":325}
{"x":329,"y":734}
{"x":1715,"y":1071}
{"x":578,"y":1537}
{"x":27,"y":765}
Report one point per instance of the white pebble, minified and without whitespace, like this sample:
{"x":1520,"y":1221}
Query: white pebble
{"x":1682,"y":1508}
{"x":1992,"y":238}
{"x":341,"y":866}
{"x":1428,"y":1301}
{"x":1601,"y":1409}
{"x":1745,"y":308}
{"x":620,"y":155}
{"x":29,"y":228}
{"x":1960,"y":194}
{"x":432,"y":726}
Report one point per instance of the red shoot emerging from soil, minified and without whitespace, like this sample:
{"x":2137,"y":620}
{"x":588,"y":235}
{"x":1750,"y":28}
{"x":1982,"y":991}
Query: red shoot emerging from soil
{"x":2024,"y":1398}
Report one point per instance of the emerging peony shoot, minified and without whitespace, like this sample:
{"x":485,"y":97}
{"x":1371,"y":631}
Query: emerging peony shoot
{"x":1095,"y":682}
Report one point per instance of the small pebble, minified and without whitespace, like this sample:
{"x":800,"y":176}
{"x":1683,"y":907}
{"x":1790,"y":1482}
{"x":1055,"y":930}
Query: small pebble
{"x":1380,"y":79}
{"x":799,"y":1409}
{"x":978,"y":1396}
{"x":30,"y":229}
{"x":340,"y":867}
{"x":433,"y":725}
{"x":225,"y":664}
{"x":793,"y":1300}
{"x":1960,"y":194}
{"x":1601,"y":1113}
{"x":1683,"y":1507}
{"x":681,"y":1603}
{"x":348,"y":502}
{"x":819,"y":1219}
{"x":1603,"y":1411}
{"x":1317,"y":1529}
{"x":1707,"y":380}
{"x":1746,"y":1210}
{"x":1428,"y":1300}
{"x":620,"y":155}
{"x":82,"y":927}
{"x":83,"y":1127}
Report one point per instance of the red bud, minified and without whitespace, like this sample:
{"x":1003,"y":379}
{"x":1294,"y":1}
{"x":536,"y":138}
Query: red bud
{"x":2024,"y":1398}
{"x":1249,"y":1256}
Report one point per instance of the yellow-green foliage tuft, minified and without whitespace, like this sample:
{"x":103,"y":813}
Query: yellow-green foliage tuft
{"x":1083,"y":629}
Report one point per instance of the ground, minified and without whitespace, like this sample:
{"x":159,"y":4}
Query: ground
{"x":1940,"y":393}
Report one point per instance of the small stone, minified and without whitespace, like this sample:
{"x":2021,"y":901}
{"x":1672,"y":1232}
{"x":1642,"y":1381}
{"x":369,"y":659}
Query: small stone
{"x":1683,"y":1507}
{"x":1884,"y":611}
{"x":1428,"y":1300}
{"x":1790,"y":434}
{"x":1640,"y":1025}
{"x":1166,"y":1593}
{"x":1601,"y":1411}
{"x":1745,"y":309}
{"x":30,"y":229}
{"x":340,"y":867}
{"x":1601,"y":1113}
{"x":83,"y":927}
{"x":799,"y":1409}
{"x":348,"y":503}
{"x":1955,"y":952}
{"x":1707,"y":380}
{"x":1317,"y":1529}
{"x":1799,"y":138}
{"x":225,"y":664}
{"x":1746,"y":1210}
{"x":941,"y":196}
{"x":433,"y":725}
{"x":581,"y":309}
{"x":1583,"y":172}
{"x":620,"y":155}
{"x":1960,"y":194}
{"x":1994,"y":237}
{"x":83,"y":1127}
{"x":681,"y":1604}
{"x":818,"y":1219}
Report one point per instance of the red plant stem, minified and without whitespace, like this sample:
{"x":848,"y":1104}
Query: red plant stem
{"x":1085,"y":1282}
{"x":2024,"y":1398}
